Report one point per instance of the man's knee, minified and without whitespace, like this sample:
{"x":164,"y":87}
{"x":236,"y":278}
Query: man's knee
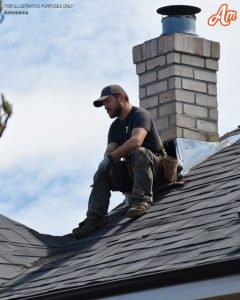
{"x":140,"y":155}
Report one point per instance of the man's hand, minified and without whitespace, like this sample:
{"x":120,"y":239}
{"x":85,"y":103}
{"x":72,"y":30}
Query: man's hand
{"x":102,"y":168}
{"x":104,"y":164}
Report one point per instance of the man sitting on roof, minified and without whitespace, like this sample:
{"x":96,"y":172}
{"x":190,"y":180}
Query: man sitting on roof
{"x":133,"y":160}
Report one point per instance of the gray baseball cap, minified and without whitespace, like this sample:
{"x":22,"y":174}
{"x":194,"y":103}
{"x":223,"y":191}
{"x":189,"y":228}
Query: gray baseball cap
{"x":109,"y":90}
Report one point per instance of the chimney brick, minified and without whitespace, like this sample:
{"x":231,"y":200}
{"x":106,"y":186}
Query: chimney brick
{"x":142,"y":93}
{"x":145,"y":51}
{"x":174,"y":83}
{"x":153,"y":112}
{"x":215,"y":50}
{"x":171,"y":133}
{"x":169,"y":43}
{"x":156,"y":88}
{"x":167,"y":96}
{"x":213,"y":114}
{"x":137,"y":54}
{"x":184,"y":96}
{"x":212,"y":64}
{"x":193,"y":60}
{"x":141,"y":68}
{"x":162,"y":123}
{"x":178,"y":95}
{"x":212,"y":89}
{"x":184,"y":43}
{"x":209,"y":101}
{"x":153,"y":48}
{"x":173,"y":57}
{"x":185,"y":121}
{"x":162,"y":45}
{"x":205,"y":75}
{"x":206,"y":48}
{"x":207,"y":126}
{"x":194,"y":135}
{"x":169,"y":109}
{"x":149,"y":102}
{"x":147,"y":77}
{"x":199,"y":47}
{"x":175,"y":70}
{"x":156,"y":62}
{"x":194,"y":85}
{"x":195,"y":111}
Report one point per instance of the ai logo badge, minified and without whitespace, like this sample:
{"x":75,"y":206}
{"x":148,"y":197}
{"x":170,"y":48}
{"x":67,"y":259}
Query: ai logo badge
{"x":224,"y":16}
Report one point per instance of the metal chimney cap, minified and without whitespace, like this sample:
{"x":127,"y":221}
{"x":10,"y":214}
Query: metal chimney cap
{"x":178,"y":10}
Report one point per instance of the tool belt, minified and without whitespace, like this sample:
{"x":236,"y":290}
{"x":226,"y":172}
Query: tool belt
{"x":171,"y":166}
{"x":172,"y":169}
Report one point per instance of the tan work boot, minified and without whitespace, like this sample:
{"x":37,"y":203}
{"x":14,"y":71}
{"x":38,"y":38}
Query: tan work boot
{"x":88,"y":225}
{"x":138,"y":208}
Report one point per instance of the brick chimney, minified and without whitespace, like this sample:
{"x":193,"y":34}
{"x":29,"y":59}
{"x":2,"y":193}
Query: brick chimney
{"x":177,"y":77}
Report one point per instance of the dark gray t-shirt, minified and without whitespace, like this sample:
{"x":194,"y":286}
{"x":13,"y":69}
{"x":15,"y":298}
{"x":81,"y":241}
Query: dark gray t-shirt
{"x":121,"y":130}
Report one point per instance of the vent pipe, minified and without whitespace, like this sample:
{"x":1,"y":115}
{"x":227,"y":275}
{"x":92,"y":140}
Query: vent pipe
{"x":179,"y":19}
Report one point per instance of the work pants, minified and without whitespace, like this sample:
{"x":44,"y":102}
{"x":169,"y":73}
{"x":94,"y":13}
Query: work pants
{"x":138,"y":175}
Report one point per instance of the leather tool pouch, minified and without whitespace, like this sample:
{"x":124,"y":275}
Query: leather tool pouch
{"x":172,"y":169}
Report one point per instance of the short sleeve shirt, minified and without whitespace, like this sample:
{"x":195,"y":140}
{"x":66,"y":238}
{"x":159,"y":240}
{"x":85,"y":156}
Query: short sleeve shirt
{"x":121,"y":130}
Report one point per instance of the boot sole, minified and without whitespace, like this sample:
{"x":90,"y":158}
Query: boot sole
{"x":134,"y":215}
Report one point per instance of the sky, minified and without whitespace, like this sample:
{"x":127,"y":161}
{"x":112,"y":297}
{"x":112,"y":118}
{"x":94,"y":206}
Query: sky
{"x":54,"y":63}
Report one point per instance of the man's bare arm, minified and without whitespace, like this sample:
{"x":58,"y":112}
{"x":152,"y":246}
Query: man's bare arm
{"x":136,"y":140}
{"x":110,"y":148}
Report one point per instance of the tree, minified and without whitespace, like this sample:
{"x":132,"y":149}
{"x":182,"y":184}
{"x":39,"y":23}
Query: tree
{"x":1,"y":15}
{"x":5,"y":113}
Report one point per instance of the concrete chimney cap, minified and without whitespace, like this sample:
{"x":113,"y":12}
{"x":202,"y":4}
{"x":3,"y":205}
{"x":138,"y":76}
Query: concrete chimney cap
{"x":178,"y":10}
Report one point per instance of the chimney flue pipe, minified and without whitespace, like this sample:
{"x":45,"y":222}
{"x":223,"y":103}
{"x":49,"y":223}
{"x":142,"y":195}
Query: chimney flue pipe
{"x":179,"y":19}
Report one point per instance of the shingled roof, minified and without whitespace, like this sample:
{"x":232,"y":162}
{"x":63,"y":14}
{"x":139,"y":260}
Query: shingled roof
{"x":192,"y":231}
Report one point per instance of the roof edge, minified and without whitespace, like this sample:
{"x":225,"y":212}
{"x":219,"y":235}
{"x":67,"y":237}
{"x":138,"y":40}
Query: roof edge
{"x":163,"y":279}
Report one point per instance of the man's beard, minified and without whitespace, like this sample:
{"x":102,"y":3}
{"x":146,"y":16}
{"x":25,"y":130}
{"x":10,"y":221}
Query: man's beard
{"x":117,"y":111}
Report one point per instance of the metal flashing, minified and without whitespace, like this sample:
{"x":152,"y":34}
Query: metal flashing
{"x":191,"y":152}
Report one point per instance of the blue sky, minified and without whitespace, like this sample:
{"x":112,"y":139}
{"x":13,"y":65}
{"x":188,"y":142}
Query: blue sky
{"x":54,"y":62}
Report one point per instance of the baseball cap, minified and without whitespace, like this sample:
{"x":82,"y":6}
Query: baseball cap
{"x":109,"y":90}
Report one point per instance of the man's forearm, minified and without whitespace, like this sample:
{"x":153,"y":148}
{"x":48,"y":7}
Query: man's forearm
{"x":125,"y":148}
